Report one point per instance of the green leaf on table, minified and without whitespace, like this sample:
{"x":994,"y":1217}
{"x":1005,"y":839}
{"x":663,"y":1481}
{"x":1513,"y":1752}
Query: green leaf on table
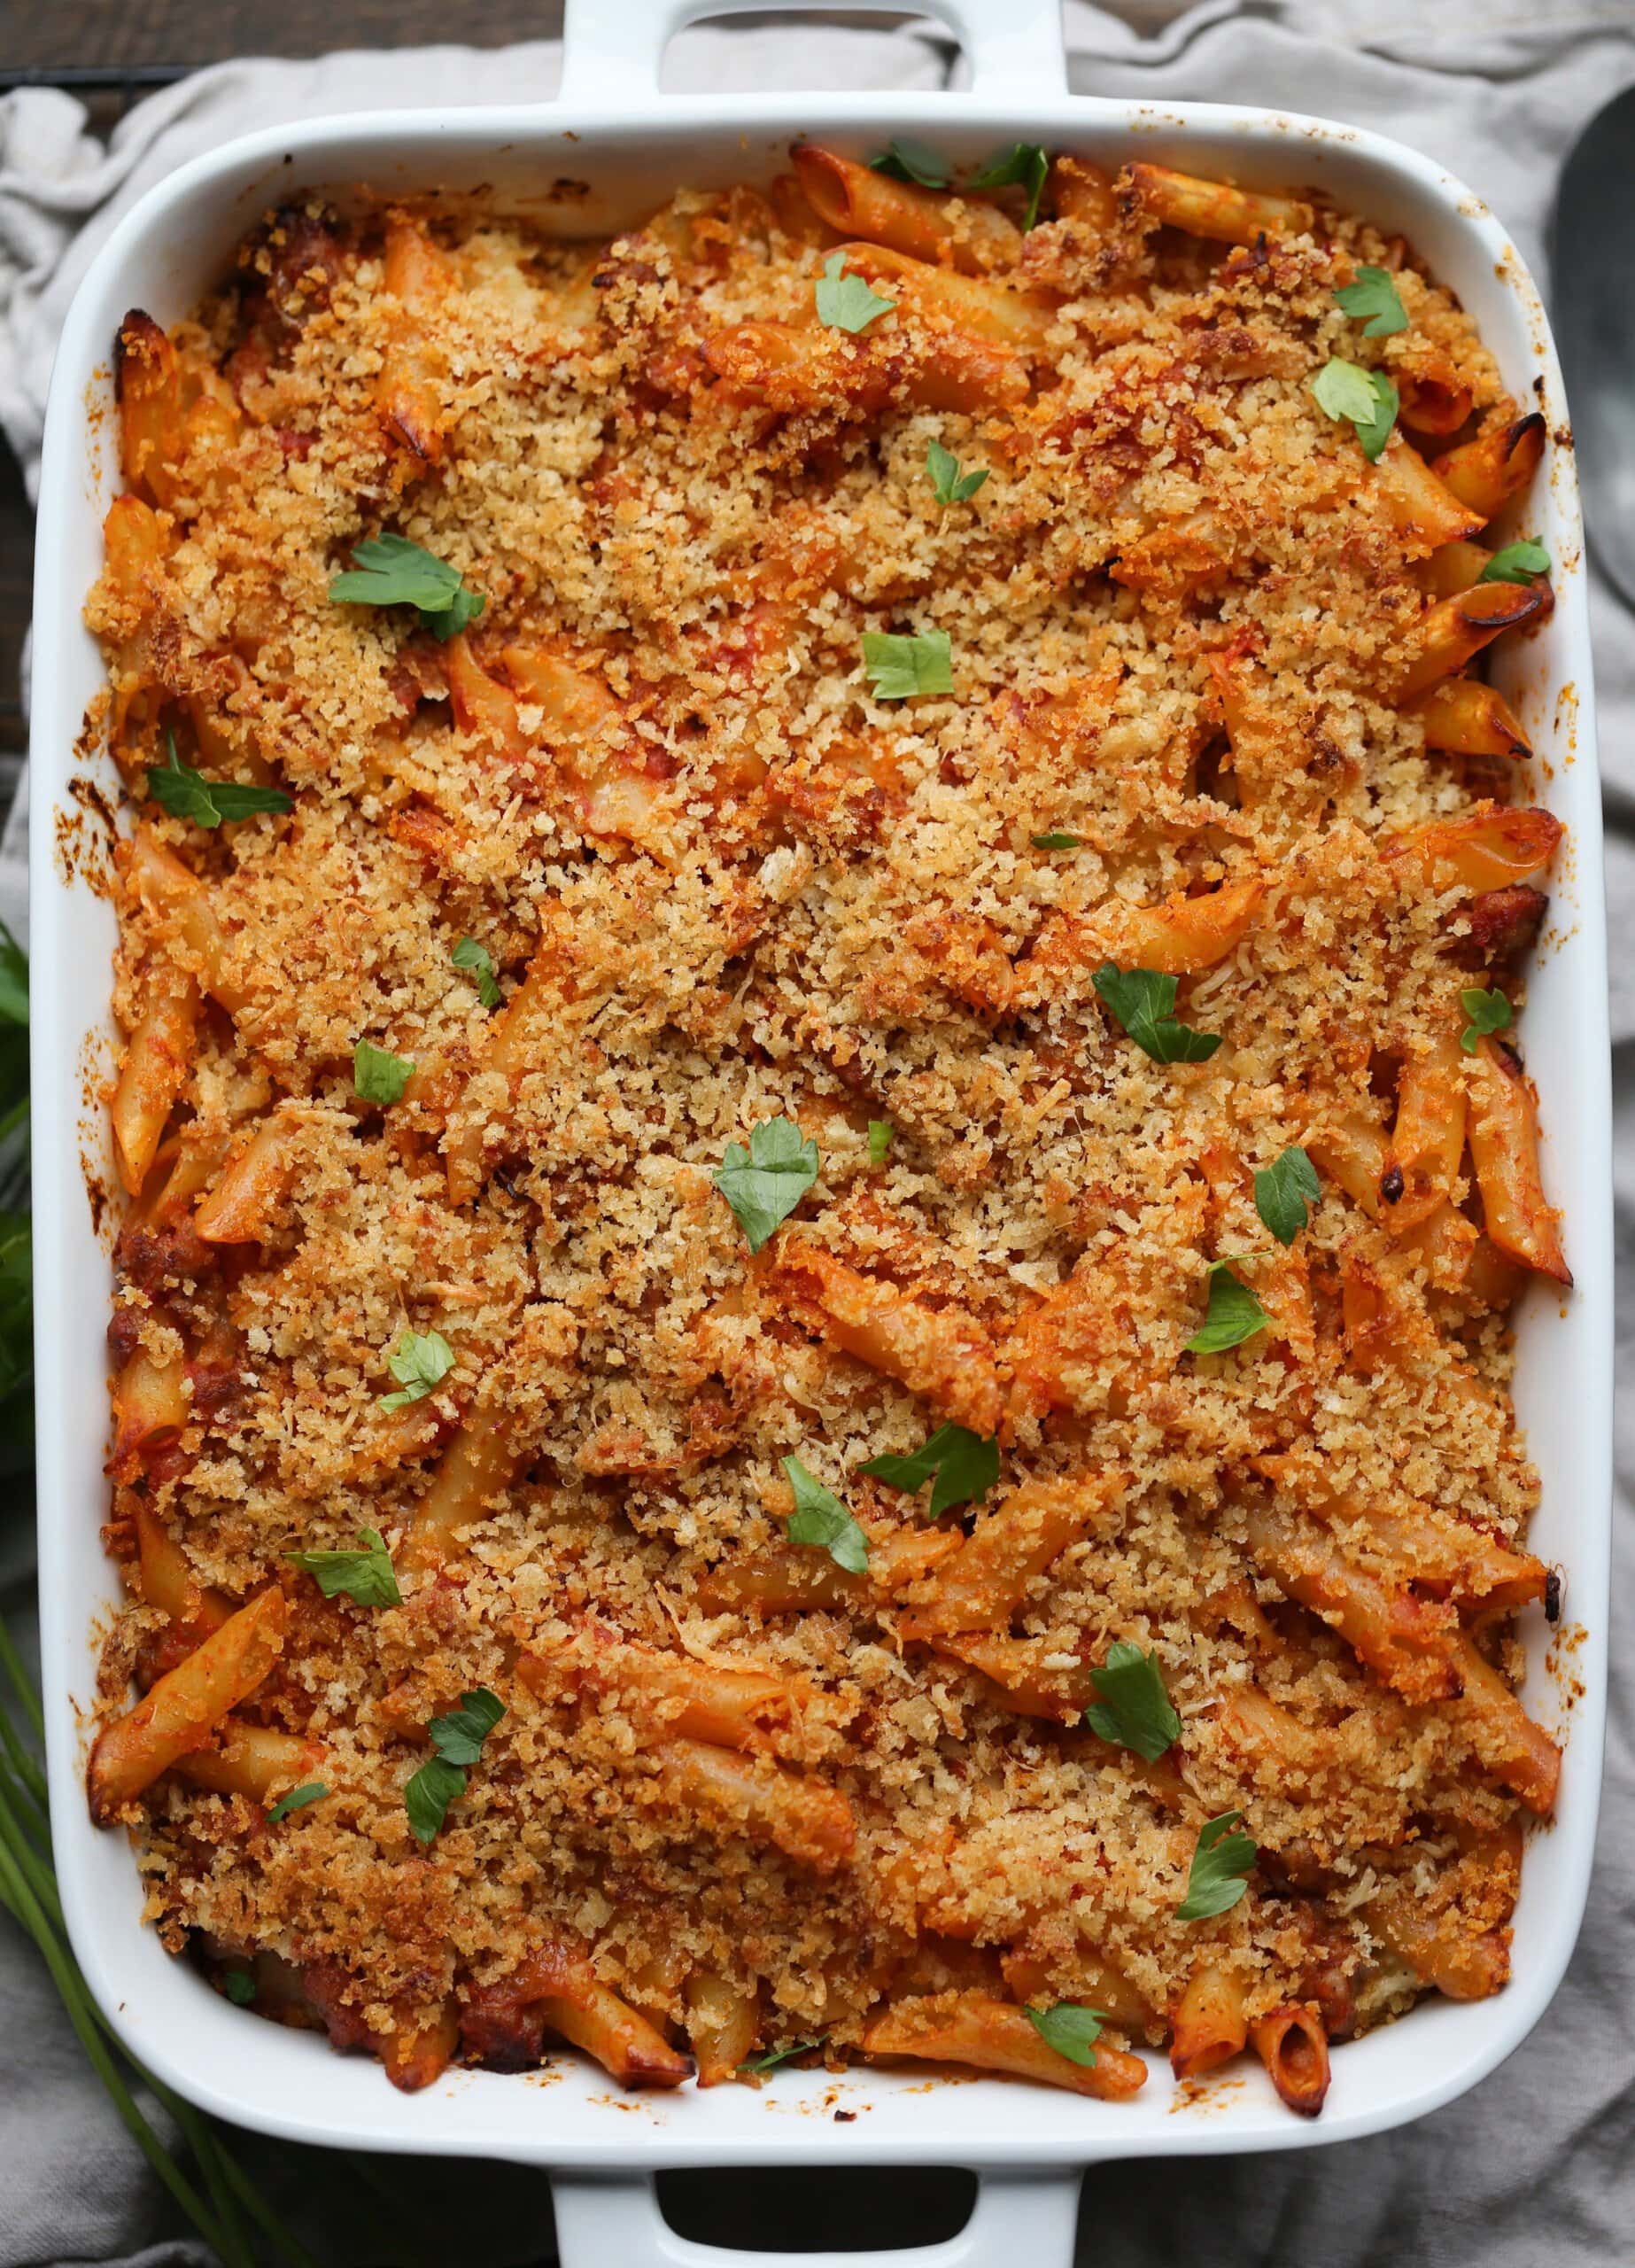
{"x":764,"y":1183}
{"x":1374,"y":296}
{"x":965,"y":1466}
{"x":820,"y":1519}
{"x":844,"y":302}
{"x":1285,"y":1190}
{"x":1134,"y":1711}
{"x":900,"y":667}
{"x":1143,"y":1001}
{"x":1234,"y":1313}
{"x":419,"y":1361}
{"x":366,"y":1575}
{"x":389,"y":570}
{"x":1219,"y":1864}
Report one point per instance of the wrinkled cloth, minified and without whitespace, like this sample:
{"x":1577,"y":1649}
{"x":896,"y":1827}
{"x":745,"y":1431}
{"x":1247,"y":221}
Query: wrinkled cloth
{"x":1535,"y":2168}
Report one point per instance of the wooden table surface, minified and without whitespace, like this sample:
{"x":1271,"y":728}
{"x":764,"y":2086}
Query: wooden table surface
{"x":135,"y":35}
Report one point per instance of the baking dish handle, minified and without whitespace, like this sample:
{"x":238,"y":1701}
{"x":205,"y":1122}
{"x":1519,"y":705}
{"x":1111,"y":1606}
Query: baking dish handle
{"x":611,"y":49}
{"x":614,"y":2221}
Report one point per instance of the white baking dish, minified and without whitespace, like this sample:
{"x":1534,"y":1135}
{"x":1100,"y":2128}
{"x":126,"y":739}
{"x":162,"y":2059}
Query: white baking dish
{"x":614,"y":131}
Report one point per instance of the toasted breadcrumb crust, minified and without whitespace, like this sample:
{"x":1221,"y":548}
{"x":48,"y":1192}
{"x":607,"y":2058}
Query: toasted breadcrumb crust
{"x":829,"y":907}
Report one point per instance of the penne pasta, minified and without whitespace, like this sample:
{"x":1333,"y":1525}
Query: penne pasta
{"x":1209,"y":2025}
{"x":1294,"y":2047}
{"x":942,"y":1353}
{"x":981,"y":1586}
{"x":1450,"y":632}
{"x":971,"y":2028}
{"x":240,"y":1207}
{"x":1469,"y":719}
{"x":152,"y":1072}
{"x":807,"y":1820}
{"x":1503,"y":1153}
{"x":722,"y":2022}
{"x":1212,"y":209}
{"x":179,"y":1714}
{"x":1421,"y":509}
{"x":966,"y":234}
{"x":1487,"y":472}
{"x":254,"y":1761}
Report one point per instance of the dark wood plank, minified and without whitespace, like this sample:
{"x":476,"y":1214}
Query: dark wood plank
{"x":114,"y":34}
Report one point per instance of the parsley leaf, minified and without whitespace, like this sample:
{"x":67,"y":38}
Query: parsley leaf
{"x":1027,"y":163}
{"x":819,"y":1518}
{"x":377,"y":1075}
{"x":1375,"y":295}
{"x":764,"y":1183}
{"x":420,"y":1361}
{"x":367,"y":1575}
{"x":845,"y":302}
{"x":1072,"y":2030}
{"x":1234,"y":1313}
{"x":1489,"y":1012}
{"x":469,"y":954}
{"x":186,"y":794}
{"x":1141,"y":1001}
{"x":898,"y":668}
{"x":458,"y":1739}
{"x":310,"y":1791}
{"x":392,"y":571}
{"x":13,"y":980}
{"x":880,"y":1140}
{"x":239,"y":1986}
{"x":906,"y":161}
{"x":966,"y":1466}
{"x":1056,"y":842}
{"x":1366,"y":398}
{"x":1219,"y":1866}
{"x":948,"y":484}
{"x":1517,"y":562}
{"x":1134,"y":1710}
{"x":760,"y":2064}
{"x":1285,"y":1191}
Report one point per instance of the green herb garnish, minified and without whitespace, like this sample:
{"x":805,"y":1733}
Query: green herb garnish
{"x":377,"y":1075}
{"x":1489,"y":1012}
{"x":458,"y":1739}
{"x":1056,"y":842}
{"x":898,"y":668}
{"x":764,"y":1183}
{"x":948,"y":484}
{"x":880,"y":1140}
{"x":310,"y":1791}
{"x":845,"y":301}
{"x":239,"y":1986}
{"x":1219,"y":1863}
{"x":1517,"y":562}
{"x":965,"y":1466}
{"x":761,"y":2064}
{"x":1027,"y":163}
{"x":1134,"y":1711}
{"x":1142,"y":1001}
{"x":820,"y":1519}
{"x":1285,"y":1190}
{"x":1072,"y":2030}
{"x":468,"y":954}
{"x":906,"y":161}
{"x":366,"y":1575}
{"x":1366,"y":399}
{"x":419,"y":1361}
{"x":186,"y":794}
{"x":1234,"y":1313}
{"x":392,"y":571}
{"x":1373,"y":295}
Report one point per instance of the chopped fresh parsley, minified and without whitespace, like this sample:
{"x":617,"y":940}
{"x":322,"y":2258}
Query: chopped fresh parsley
{"x":965,"y":1465}
{"x":366,"y":1575}
{"x":1142,"y":1001}
{"x":1489,"y":1012}
{"x":906,"y":161}
{"x":239,"y":1986}
{"x":389,"y":570}
{"x":1056,"y":842}
{"x":186,"y":794}
{"x":948,"y":484}
{"x":1219,"y":1864}
{"x":761,"y":2064}
{"x":820,"y":1519}
{"x":419,"y":1361}
{"x":1027,"y":163}
{"x":310,"y":1791}
{"x":1517,"y":562}
{"x":377,"y":1075}
{"x":1285,"y":1190}
{"x":880,"y":1140}
{"x":1234,"y":1313}
{"x":1072,"y":2030}
{"x":1373,"y":295}
{"x":764,"y":1183}
{"x":1366,"y":399}
{"x":468,"y":954}
{"x":458,"y":1739}
{"x":898,"y":668}
{"x":1134,"y":1711}
{"x":845,"y":302}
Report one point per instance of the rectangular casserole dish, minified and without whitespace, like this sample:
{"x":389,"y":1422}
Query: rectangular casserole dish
{"x":613,"y":131}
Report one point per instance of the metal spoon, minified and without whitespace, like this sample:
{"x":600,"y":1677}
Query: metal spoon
{"x":1593,"y":264}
